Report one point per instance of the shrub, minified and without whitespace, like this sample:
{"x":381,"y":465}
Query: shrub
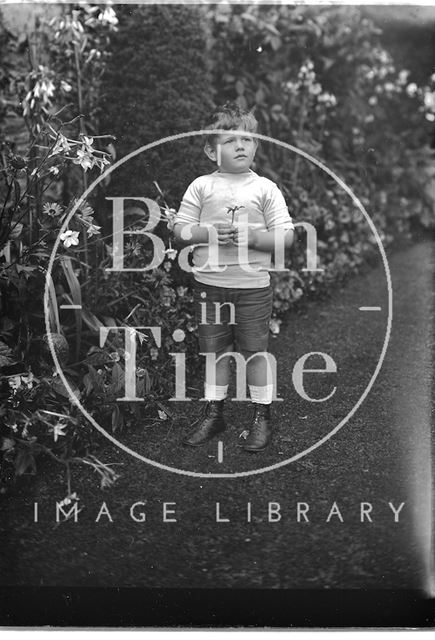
{"x":157,"y":85}
{"x":319,"y":79}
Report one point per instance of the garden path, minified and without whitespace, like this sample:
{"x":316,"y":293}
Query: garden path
{"x":381,"y":456}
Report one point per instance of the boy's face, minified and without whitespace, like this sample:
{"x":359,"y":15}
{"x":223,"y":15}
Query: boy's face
{"x":233,"y":152}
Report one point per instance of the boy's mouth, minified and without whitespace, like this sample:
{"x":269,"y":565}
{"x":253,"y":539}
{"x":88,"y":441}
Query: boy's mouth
{"x":241,"y":156}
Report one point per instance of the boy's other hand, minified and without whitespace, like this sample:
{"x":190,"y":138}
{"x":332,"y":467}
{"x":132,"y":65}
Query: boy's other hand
{"x":225,"y":233}
{"x":244,"y":235}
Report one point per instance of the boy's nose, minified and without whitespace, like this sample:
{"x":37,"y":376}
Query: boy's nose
{"x":239,"y":144}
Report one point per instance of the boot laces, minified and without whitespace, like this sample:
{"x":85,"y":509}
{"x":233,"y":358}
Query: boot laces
{"x":260,"y":411}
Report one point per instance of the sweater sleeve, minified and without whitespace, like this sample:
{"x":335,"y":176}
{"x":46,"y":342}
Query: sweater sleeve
{"x":190,"y":207}
{"x":275,"y":210}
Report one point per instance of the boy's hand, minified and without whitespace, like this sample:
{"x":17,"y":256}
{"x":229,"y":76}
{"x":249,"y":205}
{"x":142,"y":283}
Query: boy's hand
{"x":225,"y":233}
{"x":244,"y":235}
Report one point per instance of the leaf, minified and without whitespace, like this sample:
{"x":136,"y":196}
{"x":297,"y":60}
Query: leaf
{"x":273,"y":30}
{"x":87,"y":381}
{"x":5,"y":352}
{"x":260,"y":96}
{"x":24,"y":461}
{"x":140,"y":387}
{"x":240,"y":87}
{"x":162,"y":414}
{"x":16,"y":231}
{"x":21,"y":268}
{"x":249,"y":17}
{"x":7,"y":444}
{"x":147,"y":382}
{"x":76,"y":295}
{"x":117,"y":419}
{"x":97,"y":358}
{"x":91,"y":321}
{"x":117,"y":377}
{"x":5,"y":362}
{"x":58,"y":386}
{"x":17,"y":193}
{"x":108,"y":321}
{"x":97,"y":380}
{"x":165,"y":409}
{"x":53,"y":311}
{"x":112,"y":150}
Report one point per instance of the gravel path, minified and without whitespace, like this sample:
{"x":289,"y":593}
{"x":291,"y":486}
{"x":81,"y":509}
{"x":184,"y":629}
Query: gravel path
{"x":380,"y":456}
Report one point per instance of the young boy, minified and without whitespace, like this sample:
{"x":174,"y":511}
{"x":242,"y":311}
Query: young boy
{"x":234,"y":218}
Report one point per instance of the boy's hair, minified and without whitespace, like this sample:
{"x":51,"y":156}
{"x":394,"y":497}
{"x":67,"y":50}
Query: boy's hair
{"x":230,"y":116}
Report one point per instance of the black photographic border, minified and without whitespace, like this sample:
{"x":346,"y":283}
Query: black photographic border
{"x":80,"y":607}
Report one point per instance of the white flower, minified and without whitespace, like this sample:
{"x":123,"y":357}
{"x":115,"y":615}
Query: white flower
{"x":429,"y":101}
{"x":274,"y":326}
{"x":403,"y":76}
{"x":171,"y":253}
{"x":171,"y":215}
{"x":69,"y":238}
{"x":65,"y":86}
{"x":315,"y":89}
{"x":84,"y":159}
{"x":28,"y":380}
{"x":58,"y":430}
{"x":15,"y":382}
{"x":88,"y":142}
{"x":44,"y":89}
{"x":411,"y":89}
{"x":373,"y":100}
{"x":328,"y":98}
{"x":109,"y":16}
{"x":61,"y":145}
{"x":54,"y":171}
{"x":93,"y":230}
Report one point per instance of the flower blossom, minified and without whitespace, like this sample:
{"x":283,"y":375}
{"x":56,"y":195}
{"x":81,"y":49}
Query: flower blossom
{"x":92,"y":230}
{"x":69,"y":238}
{"x":108,"y":16}
{"x":411,"y":89}
{"x":84,"y":159}
{"x":52,"y":209}
{"x":61,"y":145}
{"x":58,"y":430}
{"x":171,"y":253}
{"x":15,"y":382}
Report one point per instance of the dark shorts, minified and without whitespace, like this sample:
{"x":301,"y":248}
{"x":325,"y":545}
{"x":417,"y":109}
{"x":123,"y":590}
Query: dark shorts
{"x":226,"y":316}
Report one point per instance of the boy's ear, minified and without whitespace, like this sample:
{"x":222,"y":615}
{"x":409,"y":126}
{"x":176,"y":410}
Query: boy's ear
{"x":210,"y":152}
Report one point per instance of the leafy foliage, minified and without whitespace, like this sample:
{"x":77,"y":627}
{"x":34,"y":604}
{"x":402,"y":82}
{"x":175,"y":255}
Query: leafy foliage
{"x":317,"y":78}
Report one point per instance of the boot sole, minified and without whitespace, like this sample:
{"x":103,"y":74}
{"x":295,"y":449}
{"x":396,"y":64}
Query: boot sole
{"x":254,"y":450}
{"x":186,"y":443}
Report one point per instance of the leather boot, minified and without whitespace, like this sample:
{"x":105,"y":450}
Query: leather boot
{"x":260,"y":431}
{"x":211,"y":423}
